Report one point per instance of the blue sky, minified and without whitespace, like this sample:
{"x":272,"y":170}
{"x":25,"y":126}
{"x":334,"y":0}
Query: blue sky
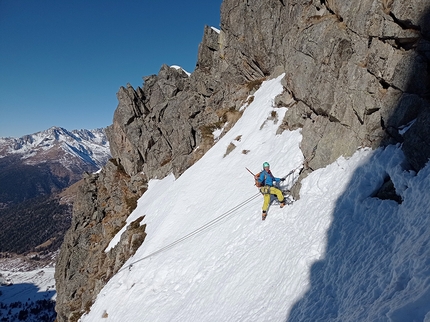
{"x":62,"y":62}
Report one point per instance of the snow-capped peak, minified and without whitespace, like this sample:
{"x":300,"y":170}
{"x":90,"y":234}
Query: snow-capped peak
{"x":89,"y":145}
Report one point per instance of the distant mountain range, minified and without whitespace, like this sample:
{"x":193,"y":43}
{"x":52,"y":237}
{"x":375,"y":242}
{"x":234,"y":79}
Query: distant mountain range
{"x":90,"y":147}
{"x":48,"y":161}
{"x":34,"y":169}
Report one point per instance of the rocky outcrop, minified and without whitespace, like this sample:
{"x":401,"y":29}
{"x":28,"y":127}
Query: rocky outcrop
{"x":355,"y":73}
{"x":155,"y":127}
{"x":163,"y":126}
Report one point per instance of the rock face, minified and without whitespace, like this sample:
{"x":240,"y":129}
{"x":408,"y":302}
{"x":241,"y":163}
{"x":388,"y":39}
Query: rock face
{"x":102,"y":205}
{"x":357,"y":70}
{"x":355,"y":73}
{"x":161,"y":128}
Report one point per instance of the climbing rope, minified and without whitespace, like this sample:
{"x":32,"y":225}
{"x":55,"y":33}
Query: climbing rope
{"x":204,"y":227}
{"x":194,"y":232}
{"x":290,"y":181}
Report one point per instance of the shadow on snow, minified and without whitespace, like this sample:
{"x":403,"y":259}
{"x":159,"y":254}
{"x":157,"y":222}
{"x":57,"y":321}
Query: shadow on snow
{"x":26,"y":302}
{"x":377,"y":261}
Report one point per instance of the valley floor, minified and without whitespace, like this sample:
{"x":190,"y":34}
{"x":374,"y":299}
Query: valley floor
{"x":28,"y":293}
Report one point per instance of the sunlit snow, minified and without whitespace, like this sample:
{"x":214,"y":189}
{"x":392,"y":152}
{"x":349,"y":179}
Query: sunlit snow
{"x":338,"y":253}
{"x":180,"y":68}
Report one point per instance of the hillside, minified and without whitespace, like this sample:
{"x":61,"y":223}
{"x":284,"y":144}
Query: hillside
{"x":31,"y":298}
{"x":34,"y":169}
{"x":35,"y":225}
{"x":339,"y":253}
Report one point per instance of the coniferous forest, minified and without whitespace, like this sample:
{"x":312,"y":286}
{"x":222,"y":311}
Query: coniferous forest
{"x":37,"y":224}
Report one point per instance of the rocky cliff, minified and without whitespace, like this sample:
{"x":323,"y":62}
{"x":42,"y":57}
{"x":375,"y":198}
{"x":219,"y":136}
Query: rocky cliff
{"x":101,"y":207}
{"x":355,"y":74}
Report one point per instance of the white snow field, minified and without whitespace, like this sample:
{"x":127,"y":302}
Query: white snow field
{"x":28,"y":290}
{"x":337,"y":254}
{"x":37,"y":285}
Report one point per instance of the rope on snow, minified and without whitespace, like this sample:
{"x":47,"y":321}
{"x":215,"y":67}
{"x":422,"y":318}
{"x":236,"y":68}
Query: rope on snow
{"x":194,"y":232}
{"x":202,"y":228}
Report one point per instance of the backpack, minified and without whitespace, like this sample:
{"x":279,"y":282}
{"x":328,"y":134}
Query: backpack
{"x":257,"y":176}
{"x":258,"y":184}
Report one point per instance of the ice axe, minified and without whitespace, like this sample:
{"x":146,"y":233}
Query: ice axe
{"x":250,"y":172}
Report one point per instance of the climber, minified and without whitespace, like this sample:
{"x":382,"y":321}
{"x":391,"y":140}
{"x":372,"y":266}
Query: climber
{"x":265,"y":180}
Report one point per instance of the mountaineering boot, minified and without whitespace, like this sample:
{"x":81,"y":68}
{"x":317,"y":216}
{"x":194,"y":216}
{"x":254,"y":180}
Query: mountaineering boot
{"x":263,"y":217}
{"x":282,"y":204}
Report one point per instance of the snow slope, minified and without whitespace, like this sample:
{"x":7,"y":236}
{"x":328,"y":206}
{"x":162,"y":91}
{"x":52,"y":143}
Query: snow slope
{"x":336,"y":254}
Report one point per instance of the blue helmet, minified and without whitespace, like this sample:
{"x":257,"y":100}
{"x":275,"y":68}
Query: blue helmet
{"x":266,"y":165}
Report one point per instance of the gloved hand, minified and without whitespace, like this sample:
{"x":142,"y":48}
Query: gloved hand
{"x":282,"y":179}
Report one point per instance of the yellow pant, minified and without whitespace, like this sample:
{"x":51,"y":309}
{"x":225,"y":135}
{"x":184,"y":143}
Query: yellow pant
{"x":267,"y":191}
